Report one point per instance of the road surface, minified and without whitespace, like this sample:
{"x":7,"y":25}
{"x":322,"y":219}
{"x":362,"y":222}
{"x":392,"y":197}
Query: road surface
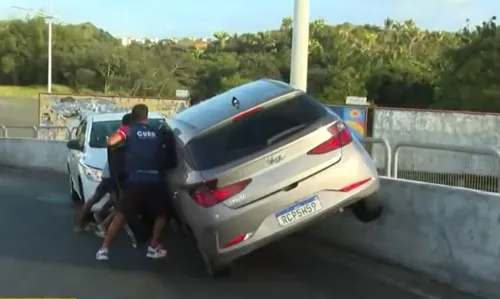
{"x":40,"y":256}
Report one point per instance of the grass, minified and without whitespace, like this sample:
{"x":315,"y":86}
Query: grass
{"x":33,"y":91}
{"x":19,"y":105}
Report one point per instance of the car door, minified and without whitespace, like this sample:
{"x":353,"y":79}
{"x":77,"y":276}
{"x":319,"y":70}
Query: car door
{"x":76,"y":155}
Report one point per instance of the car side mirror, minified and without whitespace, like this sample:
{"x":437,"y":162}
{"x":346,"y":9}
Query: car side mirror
{"x":73,"y":145}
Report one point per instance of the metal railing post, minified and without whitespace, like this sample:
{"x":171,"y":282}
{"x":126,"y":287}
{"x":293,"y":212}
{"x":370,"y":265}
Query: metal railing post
{"x":387,"y":154}
{"x":35,"y":131}
{"x":4,"y":129}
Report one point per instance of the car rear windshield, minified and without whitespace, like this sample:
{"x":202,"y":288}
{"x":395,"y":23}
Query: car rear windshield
{"x":101,"y":130}
{"x":255,"y":132}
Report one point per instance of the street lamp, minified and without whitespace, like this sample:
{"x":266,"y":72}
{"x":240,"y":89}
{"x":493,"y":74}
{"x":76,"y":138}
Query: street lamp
{"x":300,"y":44}
{"x":49,"y":17}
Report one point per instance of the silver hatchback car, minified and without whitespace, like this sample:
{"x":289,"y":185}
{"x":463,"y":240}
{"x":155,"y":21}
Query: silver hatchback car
{"x":260,"y":162}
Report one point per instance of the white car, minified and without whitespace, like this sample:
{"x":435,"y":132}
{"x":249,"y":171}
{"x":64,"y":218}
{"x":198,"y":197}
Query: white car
{"x":88,"y":153}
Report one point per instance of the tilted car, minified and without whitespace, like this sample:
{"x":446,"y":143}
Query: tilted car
{"x":260,"y":162}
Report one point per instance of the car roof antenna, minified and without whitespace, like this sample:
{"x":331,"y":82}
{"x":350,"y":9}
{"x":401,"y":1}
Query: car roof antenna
{"x":235,"y":102}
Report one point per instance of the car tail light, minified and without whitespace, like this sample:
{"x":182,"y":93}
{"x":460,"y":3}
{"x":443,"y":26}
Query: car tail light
{"x":237,"y":240}
{"x":355,"y":185}
{"x":340,"y":137}
{"x":210,"y":194}
{"x":246,"y":113}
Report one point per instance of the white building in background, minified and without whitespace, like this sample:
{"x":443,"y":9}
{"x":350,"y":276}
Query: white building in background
{"x":126,"y":41}
{"x":199,"y":42}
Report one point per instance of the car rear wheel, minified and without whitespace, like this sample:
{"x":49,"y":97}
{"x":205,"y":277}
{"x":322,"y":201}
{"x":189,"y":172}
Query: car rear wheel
{"x":214,"y":270}
{"x":368,"y":209}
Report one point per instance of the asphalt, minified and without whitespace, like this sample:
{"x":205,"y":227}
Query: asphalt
{"x":40,"y":256}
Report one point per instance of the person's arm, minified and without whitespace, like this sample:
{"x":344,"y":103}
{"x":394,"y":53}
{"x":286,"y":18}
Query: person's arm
{"x":118,"y":137}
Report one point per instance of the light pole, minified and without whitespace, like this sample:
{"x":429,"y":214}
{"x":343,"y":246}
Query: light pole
{"x":300,"y":44}
{"x":49,"y":17}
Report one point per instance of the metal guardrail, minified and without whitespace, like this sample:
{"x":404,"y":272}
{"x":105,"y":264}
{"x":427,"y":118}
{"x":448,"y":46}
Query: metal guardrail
{"x":50,"y":128}
{"x":36,"y":130}
{"x":467,"y":179}
{"x":387,"y":152}
{"x":6,"y":128}
{"x":392,"y":158}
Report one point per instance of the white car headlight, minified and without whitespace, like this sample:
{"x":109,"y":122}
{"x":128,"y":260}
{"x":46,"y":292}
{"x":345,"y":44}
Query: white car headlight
{"x":92,"y":174}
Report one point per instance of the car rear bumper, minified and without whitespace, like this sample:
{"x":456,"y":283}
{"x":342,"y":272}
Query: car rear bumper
{"x":259,"y":218}
{"x":263,"y":236}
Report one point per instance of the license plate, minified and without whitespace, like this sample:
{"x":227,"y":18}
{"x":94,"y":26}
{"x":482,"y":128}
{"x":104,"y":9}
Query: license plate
{"x":298,"y":211}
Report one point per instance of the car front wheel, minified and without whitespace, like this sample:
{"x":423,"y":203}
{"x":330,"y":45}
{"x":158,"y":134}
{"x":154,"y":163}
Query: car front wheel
{"x":72,"y":192}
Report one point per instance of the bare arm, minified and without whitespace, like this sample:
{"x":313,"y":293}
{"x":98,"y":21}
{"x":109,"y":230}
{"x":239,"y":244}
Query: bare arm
{"x":118,"y":137}
{"x":115,"y":139}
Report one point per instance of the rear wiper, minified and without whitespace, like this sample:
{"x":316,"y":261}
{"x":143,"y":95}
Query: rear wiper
{"x":281,"y":135}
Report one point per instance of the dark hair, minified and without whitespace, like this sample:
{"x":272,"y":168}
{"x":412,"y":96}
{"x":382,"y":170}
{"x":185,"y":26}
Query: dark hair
{"x":127,"y":119}
{"x":140,"y":112}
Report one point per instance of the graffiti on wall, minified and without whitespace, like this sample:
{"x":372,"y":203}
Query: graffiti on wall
{"x":67,"y":110}
{"x":354,"y":117}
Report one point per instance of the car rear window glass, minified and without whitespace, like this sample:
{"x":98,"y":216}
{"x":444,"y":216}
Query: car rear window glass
{"x":255,"y":132}
{"x":101,"y":130}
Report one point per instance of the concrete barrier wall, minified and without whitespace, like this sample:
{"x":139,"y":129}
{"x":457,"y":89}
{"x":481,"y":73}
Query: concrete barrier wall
{"x":442,"y":127}
{"x":451,"y":234}
{"x":34,"y":153}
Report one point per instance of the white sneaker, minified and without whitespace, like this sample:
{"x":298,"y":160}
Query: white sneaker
{"x":100,"y":233}
{"x":102,"y":254}
{"x":157,"y":252}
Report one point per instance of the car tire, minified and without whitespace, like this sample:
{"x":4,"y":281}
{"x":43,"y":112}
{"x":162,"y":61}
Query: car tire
{"x":73,"y":194}
{"x":216,"y":271}
{"x":368,"y":209}
{"x":80,"y":189}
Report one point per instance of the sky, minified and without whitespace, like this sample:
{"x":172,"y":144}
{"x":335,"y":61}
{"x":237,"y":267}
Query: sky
{"x":201,"y":18}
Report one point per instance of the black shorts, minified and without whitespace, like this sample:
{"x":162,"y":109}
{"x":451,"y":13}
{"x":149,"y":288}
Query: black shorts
{"x":143,"y":197}
{"x":104,"y":187}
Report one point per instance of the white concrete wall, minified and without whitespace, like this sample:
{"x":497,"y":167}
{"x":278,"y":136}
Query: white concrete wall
{"x":440,"y":127}
{"x":451,"y":234}
{"x":34,"y":153}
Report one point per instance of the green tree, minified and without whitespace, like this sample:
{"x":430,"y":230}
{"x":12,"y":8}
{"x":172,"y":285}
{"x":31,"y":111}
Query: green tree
{"x":397,"y":64}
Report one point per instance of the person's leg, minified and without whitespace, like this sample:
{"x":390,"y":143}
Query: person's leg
{"x":99,"y":193}
{"x":158,"y":206}
{"x":127,"y":206}
{"x":108,"y":219}
{"x":103,"y":215}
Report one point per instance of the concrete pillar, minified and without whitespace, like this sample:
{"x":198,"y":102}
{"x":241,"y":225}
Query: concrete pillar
{"x":300,"y":45}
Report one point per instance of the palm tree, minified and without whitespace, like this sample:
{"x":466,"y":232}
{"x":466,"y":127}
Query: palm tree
{"x":222,"y":38}
{"x":286,"y":23}
{"x":266,"y":41}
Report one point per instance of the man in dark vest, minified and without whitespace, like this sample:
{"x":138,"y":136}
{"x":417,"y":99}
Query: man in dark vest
{"x":142,"y":188}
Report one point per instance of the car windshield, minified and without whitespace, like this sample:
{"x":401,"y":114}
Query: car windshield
{"x":256,"y":132}
{"x":101,"y":130}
